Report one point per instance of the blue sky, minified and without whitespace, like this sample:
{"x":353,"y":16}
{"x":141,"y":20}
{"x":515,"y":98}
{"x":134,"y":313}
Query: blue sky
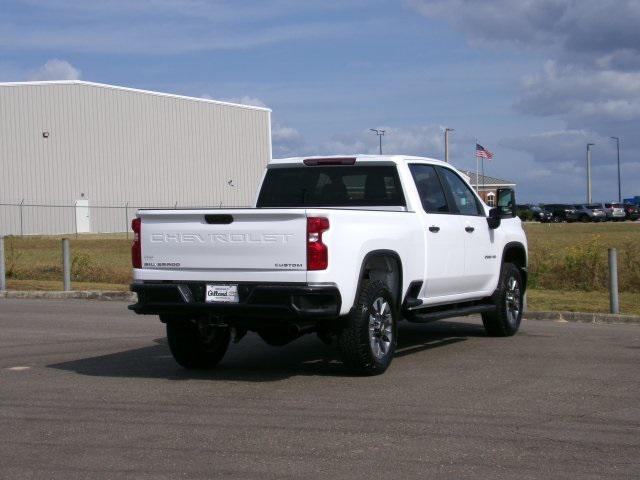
{"x":529,"y":79}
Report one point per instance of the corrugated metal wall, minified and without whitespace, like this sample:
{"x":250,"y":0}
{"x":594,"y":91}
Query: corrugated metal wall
{"x":114,"y":146}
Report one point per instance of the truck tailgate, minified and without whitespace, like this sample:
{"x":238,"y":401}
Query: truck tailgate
{"x":232,"y":240}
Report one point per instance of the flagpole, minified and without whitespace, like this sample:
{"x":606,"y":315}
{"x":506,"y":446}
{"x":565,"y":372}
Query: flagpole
{"x":475,"y":152}
{"x":483,"y":174}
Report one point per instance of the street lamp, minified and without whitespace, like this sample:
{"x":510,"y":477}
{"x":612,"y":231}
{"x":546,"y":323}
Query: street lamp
{"x":589,"y":145}
{"x":446,"y":143}
{"x":380,"y":134}
{"x":619,"y":184}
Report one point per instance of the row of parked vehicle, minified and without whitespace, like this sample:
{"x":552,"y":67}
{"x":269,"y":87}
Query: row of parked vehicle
{"x":582,"y":212}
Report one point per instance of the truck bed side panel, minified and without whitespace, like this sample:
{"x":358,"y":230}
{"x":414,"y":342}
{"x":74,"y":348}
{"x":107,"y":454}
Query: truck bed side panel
{"x":355,"y":233}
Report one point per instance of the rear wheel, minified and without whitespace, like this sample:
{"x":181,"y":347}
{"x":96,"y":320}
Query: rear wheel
{"x":505,"y":320}
{"x":368,"y":341}
{"x":584,"y":218}
{"x":197,"y":343}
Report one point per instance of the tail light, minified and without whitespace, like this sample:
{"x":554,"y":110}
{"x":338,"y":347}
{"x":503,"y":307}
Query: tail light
{"x":317,"y":252}
{"x":136,"y":247}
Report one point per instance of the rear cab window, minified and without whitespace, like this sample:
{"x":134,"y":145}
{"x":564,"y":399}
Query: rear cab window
{"x":331,"y":186}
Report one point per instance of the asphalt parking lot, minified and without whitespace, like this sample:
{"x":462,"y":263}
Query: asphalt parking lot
{"x":89,"y":390}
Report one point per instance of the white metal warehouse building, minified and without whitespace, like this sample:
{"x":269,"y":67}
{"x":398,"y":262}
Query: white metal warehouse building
{"x":81,"y":157}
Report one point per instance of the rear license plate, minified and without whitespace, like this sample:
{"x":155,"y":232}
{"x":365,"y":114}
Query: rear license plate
{"x":221,"y":294}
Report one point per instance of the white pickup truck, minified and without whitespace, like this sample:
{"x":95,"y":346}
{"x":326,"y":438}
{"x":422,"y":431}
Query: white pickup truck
{"x":345,"y":247}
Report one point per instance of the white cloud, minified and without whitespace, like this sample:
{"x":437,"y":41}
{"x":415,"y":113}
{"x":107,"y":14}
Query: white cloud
{"x":424,"y":140}
{"x":55,"y":69}
{"x":556,"y":167}
{"x":577,"y":93}
{"x":592,"y":81}
{"x":169,"y":26}
{"x":287,"y":141}
{"x":597,"y":28}
{"x":244,"y":100}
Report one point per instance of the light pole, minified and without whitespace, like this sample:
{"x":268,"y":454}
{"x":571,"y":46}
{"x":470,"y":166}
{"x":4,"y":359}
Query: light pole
{"x":619,"y":183}
{"x":380,"y":134}
{"x":446,"y":143}
{"x":589,"y":145}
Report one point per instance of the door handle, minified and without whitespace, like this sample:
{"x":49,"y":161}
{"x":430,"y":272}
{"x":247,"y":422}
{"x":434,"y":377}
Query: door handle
{"x":434,"y":229}
{"x":469,"y":229}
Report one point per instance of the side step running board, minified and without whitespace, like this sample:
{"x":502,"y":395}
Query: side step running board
{"x":426,"y":317}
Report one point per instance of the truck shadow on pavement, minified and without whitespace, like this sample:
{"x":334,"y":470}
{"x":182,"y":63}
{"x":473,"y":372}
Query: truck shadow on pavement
{"x":253,"y":361}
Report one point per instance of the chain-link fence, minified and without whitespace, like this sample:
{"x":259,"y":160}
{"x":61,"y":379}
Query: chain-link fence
{"x":40,"y":219}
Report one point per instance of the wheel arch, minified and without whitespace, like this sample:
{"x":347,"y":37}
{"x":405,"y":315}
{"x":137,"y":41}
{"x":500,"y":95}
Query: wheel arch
{"x":379,"y":265}
{"x":516,"y":253}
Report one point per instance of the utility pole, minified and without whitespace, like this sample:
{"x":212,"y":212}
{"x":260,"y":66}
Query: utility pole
{"x":619,"y":183}
{"x":589,"y":145}
{"x":446,"y":143}
{"x":380,"y":134}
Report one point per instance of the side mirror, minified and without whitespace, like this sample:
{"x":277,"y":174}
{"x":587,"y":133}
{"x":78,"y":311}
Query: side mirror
{"x":506,"y":202}
{"x":493,"y":220}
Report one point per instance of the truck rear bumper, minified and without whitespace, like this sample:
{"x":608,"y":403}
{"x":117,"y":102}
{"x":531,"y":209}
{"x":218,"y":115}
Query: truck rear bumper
{"x":256,"y":301}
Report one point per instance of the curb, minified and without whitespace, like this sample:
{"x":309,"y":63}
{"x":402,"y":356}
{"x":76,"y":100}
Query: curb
{"x":583,"y":317}
{"x":84,"y":295}
{"x":120,"y":296}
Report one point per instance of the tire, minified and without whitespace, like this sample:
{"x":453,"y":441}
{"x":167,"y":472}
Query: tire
{"x":505,"y":320}
{"x":584,"y":218}
{"x":368,"y":341}
{"x":196,"y":344}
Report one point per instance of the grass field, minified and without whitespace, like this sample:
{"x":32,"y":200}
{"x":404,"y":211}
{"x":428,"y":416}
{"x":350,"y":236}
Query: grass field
{"x":568,"y":264}
{"x":574,"y":256}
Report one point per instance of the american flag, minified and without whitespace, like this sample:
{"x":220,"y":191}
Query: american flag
{"x":482,"y":152}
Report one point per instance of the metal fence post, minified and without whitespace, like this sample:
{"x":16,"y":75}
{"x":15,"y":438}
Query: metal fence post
{"x":66,"y":266}
{"x":21,"y":225}
{"x":613,"y":281}
{"x":3,"y":277}
{"x":126,"y":219}
{"x":74,"y":210}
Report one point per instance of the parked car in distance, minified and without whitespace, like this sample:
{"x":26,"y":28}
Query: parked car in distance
{"x":523,"y":212}
{"x":632,"y":200}
{"x":592,"y":212}
{"x":533,"y":212}
{"x":632,"y":212}
{"x":561,"y":212}
{"x":615,"y":212}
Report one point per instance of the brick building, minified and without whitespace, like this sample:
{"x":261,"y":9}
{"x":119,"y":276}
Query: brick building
{"x":487,"y":186}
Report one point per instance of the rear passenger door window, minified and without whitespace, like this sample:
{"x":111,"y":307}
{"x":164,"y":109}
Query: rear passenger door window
{"x":463,"y":197}
{"x":429,"y":188}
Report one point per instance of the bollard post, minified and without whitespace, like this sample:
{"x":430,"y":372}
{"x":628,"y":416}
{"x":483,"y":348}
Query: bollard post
{"x":613,"y":281}
{"x":66,"y":266}
{"x":3,"y":276}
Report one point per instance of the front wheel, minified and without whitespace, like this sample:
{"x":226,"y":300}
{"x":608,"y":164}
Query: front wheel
{"x":367,"y":343}
{"x":505,"y":320}
{"x":196,"y":343}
